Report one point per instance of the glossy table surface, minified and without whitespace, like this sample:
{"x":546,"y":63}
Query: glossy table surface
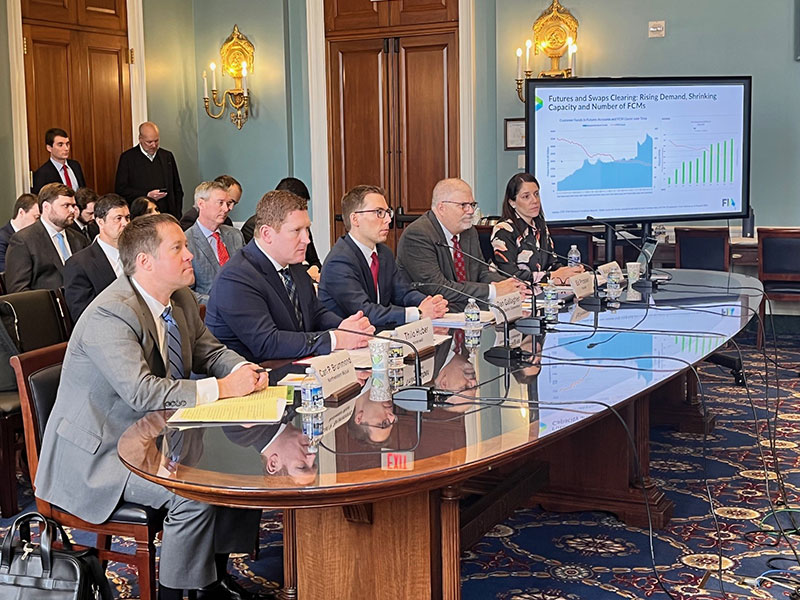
{"x":370,"y":449}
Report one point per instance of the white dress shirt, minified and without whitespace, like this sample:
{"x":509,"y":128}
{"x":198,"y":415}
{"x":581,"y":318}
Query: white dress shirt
{"x":52,"y":231}
{"x":112,"y":254}
{"x":73,"y":179}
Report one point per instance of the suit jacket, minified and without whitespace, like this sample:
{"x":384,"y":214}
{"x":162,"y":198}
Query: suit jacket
{"x":346,"y":285}
{"x":32,"y":261}
{"x":6,"y":231}
{"x":312,"y":258}
{"x":190,"y":216}
{"x":130,"y":186}
{"x":113,"y":373}
{"x":48,"y":173}
{"x":250,"y":311}
{"x":92,"y":230}
{"x":204,"y":261}
{"x":86,"y":274}
{"x":422,"y":260}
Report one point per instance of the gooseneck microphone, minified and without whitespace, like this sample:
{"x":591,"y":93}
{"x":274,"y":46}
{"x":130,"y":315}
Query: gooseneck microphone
{"x":532,"y":325}
{"x":644,"y":284}
{"x":593,"y":303}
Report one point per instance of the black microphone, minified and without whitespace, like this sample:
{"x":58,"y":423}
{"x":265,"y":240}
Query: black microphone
{"x":644,"y":284}
{"x":593,"y":303}
{"x":533,"y":324}
{"x":497,"y":354}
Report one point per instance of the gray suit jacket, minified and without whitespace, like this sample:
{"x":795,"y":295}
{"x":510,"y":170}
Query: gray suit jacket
{"x":422,"y":260}
{"x":113,"y":373}
{"x":205,"y":263}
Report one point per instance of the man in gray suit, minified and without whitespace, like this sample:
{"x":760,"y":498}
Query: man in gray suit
{"x":434,"y":249}
{"x":130,"y":353}
{"x":211,"y":242}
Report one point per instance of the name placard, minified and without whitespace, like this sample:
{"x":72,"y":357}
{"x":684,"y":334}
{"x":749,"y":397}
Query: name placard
{"x":604,"y":270}
{"x":514,"y":338}
{"x":582,"y":284}
{"x":335,"y":371}
{"x":512,"y":304}
{"x":335,"y":417}
{"x":425,"y":372}
{"x":419,"y":333}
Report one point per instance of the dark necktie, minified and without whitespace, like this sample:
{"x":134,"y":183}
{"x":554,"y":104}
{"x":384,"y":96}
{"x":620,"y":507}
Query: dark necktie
{"x":373,"y":266}
{"x":173,"y":345}
{"x":67,"y":180}
{"x":291,"y":290}
{"x":458,"y":261}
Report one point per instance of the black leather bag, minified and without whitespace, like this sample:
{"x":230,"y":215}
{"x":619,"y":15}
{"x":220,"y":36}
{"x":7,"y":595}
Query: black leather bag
{"x":38,"y":571}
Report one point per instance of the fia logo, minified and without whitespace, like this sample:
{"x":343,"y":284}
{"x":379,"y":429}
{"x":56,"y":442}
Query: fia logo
{"x":728,"y":202}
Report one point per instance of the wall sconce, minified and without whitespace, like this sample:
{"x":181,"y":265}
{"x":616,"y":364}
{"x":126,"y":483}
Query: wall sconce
{"x":237,"y":54}
{"x":554,"y":33}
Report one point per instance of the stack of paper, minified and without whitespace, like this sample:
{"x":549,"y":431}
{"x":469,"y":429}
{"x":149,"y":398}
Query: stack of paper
{"x":266,"y":406}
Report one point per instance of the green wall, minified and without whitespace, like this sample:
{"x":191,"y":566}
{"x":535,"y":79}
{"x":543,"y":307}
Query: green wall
{"x":7,"y":188}
{"x":708,"y":37}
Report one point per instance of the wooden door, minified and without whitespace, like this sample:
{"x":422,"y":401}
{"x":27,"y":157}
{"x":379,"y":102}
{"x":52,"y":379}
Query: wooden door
{"x":55,"y":11}
{"x":417,"y":12}
{"x":110,"y":15}
{"x":427,"y":111}
{"x":359,"y":117}
{"x":349,"y":15}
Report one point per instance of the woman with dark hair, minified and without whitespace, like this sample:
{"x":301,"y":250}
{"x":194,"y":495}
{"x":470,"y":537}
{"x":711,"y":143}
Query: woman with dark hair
{"x":521,"y":241}
{"x":143,"y":206}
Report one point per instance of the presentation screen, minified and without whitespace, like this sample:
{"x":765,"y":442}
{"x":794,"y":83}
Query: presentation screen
{"x":635,"y":149}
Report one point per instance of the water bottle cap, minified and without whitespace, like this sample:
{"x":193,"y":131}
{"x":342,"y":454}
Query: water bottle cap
{"x":573,"y":247}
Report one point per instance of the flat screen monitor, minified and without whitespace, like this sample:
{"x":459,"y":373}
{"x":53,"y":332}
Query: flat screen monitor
{"x":640,"y":149}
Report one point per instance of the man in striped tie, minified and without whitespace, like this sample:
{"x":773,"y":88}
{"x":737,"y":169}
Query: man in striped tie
{"x":131,"y":353}
{"x":211,"y":241}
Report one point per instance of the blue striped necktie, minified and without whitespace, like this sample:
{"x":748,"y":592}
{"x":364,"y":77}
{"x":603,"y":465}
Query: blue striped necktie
{"x":291,"y":291}
{"x":173,"y":345}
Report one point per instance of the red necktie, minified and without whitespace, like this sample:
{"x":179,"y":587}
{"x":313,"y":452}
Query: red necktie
{"x":66,"y":177}
{"x":222,"y":251}
{"x":458,"y":261}
{"x":373,"y":266}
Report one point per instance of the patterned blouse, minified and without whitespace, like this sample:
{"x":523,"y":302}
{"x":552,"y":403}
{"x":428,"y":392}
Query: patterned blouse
{"x":517,"y":250}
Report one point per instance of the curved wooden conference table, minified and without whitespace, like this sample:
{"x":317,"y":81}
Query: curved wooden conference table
{"x":383,"y":507}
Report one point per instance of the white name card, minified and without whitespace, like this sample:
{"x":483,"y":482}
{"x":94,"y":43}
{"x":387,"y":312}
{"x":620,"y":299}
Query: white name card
{"x":335,"y":371}
{"x":582,"y":284}
{"x":335,"y":417}
{"x":419,"y":333}
{"x":604,"y":270}
{"x":512,"y":304}
{"x":425,"y":372}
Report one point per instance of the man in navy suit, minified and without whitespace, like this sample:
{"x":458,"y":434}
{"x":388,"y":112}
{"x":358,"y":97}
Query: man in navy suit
{"x":58,"y":168}
{"x":93,"y":269}
{"x":360,"y":272}
{"x":26,"y":212}
{"x":263,"y":303}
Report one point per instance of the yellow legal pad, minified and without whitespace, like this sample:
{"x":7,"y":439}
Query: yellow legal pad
{"x":266,"y":406}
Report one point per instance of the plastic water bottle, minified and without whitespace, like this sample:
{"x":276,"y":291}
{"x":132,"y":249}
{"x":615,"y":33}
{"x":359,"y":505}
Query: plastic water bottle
{"x":472,"y":337}
{"x":312,"y":429}
{"x":472,"y":314}
{"x":613,"y":289}
{"x":396,"y":354}
{"x":573,"y":256}
{"x":311,"y":399}
{"x":550,"y":302}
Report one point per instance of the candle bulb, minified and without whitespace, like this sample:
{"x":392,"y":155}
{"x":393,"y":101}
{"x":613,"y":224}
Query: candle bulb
{"x":244,"y":79}
{"x":519,"y":63}
{"x":213,"y":76}
{"x":573,"y":50}
{"x":528,"y":45}
{"x":205,"y":86}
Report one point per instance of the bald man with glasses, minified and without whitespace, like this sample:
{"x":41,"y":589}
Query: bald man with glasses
{"x":435,"y":249}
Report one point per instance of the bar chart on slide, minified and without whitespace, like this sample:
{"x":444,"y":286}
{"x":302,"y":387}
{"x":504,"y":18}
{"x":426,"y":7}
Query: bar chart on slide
{"x":689,"y":163}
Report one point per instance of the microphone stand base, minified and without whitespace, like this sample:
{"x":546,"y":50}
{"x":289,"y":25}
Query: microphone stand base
{"x":592,"y":304}
{"x":530,"y":326}
{"x":416,"y":398}
{"x":645,"y":286}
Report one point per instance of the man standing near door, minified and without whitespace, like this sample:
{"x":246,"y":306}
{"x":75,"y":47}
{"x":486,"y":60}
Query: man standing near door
{"x":59,"y":168}
{"x":149,"y":170}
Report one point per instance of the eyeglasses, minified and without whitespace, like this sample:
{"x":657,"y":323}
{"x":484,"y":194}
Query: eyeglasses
{"x":465,"y":206}
{"x":385,"y":424}
{"x":379,"y":212}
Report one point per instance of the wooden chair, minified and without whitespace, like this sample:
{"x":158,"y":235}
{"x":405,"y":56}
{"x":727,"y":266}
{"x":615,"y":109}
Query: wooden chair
{"x":706,"y":248}
{"x":38,"y":374}
{"x":778,"y":269}
{"x":564,"y":237}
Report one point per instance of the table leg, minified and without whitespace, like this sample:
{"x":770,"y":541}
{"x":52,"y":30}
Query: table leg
{"x":451,"y":543}
{"x":289,"y":589}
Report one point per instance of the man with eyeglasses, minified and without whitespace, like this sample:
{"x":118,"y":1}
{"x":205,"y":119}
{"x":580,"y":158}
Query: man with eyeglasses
{"x":36,"y":255}
{"x":360,"y":272}
{"x":435,"y":249}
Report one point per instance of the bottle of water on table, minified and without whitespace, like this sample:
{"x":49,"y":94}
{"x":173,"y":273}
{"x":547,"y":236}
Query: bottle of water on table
{"x":550,"y":302}
{"x":573,"y":256}
{"x":311,"y":399}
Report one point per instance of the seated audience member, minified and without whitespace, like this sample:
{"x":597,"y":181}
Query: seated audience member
{"x":143,"y":206}
{"x":360,"y":272}
{"x":120,"y":364}
{"x":26,"y":212}
{"x":298,"y":188}
{"x":211,"y":242}
{"x":263,"y":303}
{"x":521,"y":241}
{"x":93,"y":269}
{"x":36,"y":255}
{"x":234,"y":189}
{"x":84,"y":223}
{"x":59,"y":168}
{"x":434,"y":248}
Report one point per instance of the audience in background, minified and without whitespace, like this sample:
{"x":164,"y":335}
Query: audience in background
{"x":143,"y":206}
{"x":234,"y":189}
{"x":59,"y":168}
{"x":84,"y":223}
{"x":26,"y":212}
{"x":36,"y":255}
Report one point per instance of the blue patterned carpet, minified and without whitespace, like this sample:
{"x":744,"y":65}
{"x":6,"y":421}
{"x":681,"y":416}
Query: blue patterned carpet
{"x":536,"y":555}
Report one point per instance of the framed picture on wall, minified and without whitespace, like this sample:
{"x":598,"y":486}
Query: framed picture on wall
{"x":514,"y":138}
